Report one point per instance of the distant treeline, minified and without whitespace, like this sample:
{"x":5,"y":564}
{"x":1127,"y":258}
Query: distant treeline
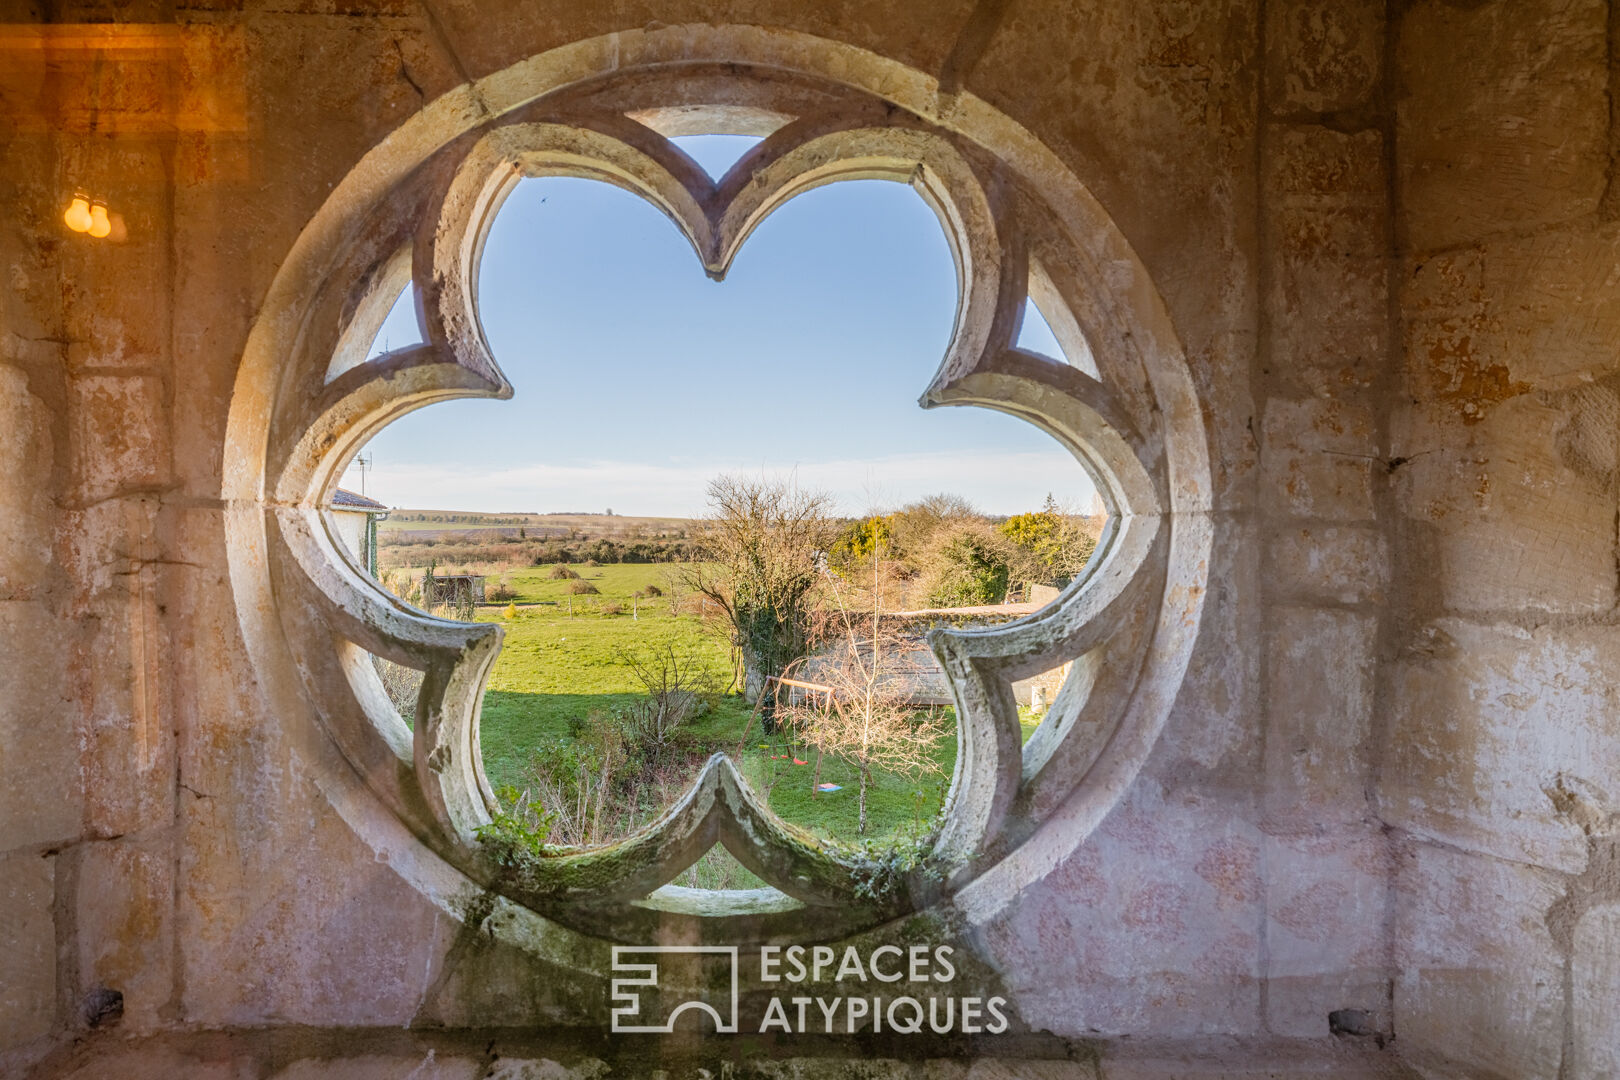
{"x":604,"y":550}
{"x":538,"y":552}
{"x":464,"y":519}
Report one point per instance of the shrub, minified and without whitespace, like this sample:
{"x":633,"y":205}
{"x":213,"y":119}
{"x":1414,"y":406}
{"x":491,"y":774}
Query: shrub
{"x":967,"y":565}
{"x":612,"y":609}
{"x":592,"y":563}
{"x":510,"y":612}
{"x":583,"y":588}
{"x":679,"y":688}
{"x":652,"y":590}
{"x":562,"y":573}
{"x":502,"y":591}
{"x":572,"y":783}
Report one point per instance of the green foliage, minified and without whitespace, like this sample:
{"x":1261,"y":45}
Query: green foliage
{"x":554,"y":672}
{"x":1037,"y":532}
{"x":860,"y":540}
{"x":969,"y":568}
{"x":1055,"y":546}
{"x":885,"y":867}
{"x":521,"y":829}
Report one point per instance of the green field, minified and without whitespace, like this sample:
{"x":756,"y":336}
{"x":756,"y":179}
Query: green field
{"x":562,"y":661}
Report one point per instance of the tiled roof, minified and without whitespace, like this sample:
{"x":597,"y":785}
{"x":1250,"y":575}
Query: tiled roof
{"x":344,"y":499}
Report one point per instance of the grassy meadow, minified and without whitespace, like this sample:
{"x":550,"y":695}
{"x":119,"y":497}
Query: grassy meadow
{"x":562,"y":660}
{"x":563,"y":684}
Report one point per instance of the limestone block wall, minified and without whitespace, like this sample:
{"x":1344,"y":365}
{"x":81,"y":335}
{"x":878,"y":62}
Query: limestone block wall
{"x":1386,"y":242}
{"x":1500,"y":747}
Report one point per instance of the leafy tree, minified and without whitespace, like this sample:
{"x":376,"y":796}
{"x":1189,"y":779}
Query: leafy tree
{"x":860,"y":540}
{"x":1056,"y":545}
{"x":966,"y":565}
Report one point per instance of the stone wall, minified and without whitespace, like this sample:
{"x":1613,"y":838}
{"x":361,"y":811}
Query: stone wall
{"x":1500,"y":746}
{"x":1387,"y":242}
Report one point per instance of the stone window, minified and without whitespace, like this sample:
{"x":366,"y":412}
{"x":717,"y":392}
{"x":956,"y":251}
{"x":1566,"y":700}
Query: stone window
{"x":415,"y":212}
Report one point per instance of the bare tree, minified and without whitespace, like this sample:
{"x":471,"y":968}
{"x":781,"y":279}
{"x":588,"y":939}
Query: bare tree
{"x":862,"y":708}
{"x":762,"y":542}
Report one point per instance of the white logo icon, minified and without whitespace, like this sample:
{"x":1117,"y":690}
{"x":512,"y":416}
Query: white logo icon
{"x":627,"y":1000}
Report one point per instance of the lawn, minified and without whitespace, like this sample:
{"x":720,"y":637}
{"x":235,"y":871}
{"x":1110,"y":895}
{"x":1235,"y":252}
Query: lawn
{"x":563,"y":659}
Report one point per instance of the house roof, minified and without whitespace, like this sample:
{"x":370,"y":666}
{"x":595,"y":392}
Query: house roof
{"x":344,"y":499}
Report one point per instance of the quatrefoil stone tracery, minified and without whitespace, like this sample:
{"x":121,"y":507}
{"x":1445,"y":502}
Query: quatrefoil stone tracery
{"x":1125,"y":416}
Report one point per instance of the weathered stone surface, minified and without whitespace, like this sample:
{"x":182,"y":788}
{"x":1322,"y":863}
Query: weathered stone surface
{"x":154,"y":1063}
{"x":1479,"y":989}
{"x":426,"y":1066}
{"x":1125,"y":938}
{"x":1327,"y":299}
{"x":1509,"y":316}
{"x":536,"y":25}
{"x":1316,"y":459}
{"x":118,"y":667}
{"x":1318,"y":715}
{"x":1130,"y":76}
{"x":1336,"y":564}
{"x":38,"y":734}
{"x":1511,"y":129}
{"x":120,"y":435}
{"x":1500,"y":519}
{"x":441,"y":1059}
{"x":1322,"y":56}
{"x":1213,"y":731}
{"x":125,"y":928}
{"x":1489,"y":723}
{"x":1595,"y":994}
{"x":1456,"y":487}
{"x":26,"y":464}
{"x":28,"y":944}
{"x":1327,"y":898}
{"x":347,"y":949}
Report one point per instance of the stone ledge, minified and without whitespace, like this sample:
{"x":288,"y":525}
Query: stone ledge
{"x":300,"y":1053}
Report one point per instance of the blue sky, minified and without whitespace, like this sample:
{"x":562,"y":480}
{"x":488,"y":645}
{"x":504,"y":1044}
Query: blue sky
{"x":638,"y":379}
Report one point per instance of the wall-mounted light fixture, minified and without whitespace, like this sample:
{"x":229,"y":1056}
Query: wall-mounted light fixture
{"x":92,"y":217}
{"x":78,"y":216}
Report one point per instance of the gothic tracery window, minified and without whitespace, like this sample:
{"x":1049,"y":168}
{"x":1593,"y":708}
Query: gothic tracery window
{"x":1119,"y":400}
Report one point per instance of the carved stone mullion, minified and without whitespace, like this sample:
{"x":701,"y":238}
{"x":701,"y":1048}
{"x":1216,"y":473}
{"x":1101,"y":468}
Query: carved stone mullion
{"x":348,"y":411}
{"x":380,"y":753}
{"x":449,"y":769}
{"x":444,"y":257}
{"x":1085,"y":294}
{"x":767,"y":98}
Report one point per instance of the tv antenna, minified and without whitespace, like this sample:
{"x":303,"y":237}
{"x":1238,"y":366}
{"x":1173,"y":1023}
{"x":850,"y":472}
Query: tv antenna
{"x":363,"y":463}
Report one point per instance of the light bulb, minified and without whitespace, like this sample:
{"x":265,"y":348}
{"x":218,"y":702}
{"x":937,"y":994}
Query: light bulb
{"x":78,"y":216}
{"x":99,"y":225}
